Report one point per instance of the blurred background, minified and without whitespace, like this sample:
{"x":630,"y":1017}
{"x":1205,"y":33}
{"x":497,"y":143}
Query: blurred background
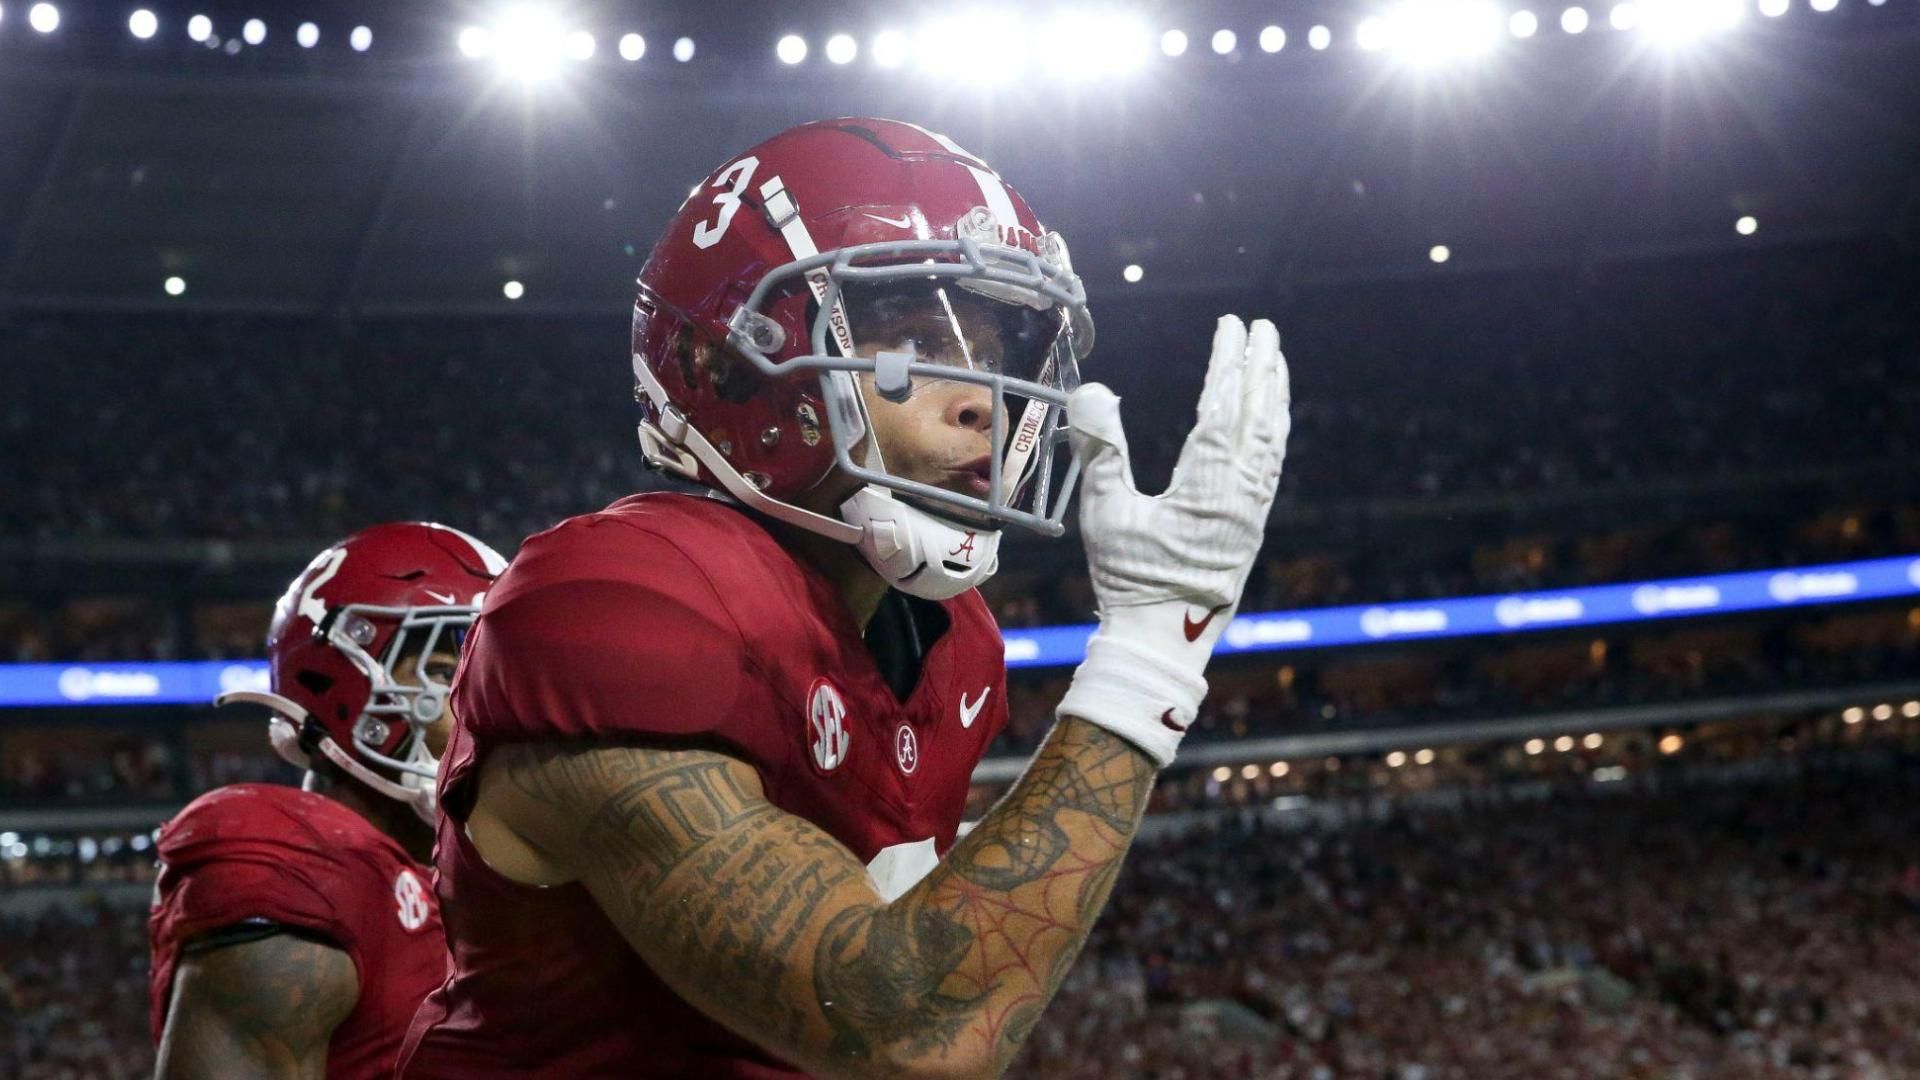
{"x":1572,"y":718}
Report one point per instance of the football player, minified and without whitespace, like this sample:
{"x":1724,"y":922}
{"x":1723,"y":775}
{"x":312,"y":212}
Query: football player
{"x":292,"y":931}
{"x":711,"y":753}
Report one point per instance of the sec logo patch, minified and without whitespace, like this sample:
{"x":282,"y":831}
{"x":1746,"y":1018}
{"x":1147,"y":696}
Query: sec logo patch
{"x":411,"y":899}
{"x":827,"y":725}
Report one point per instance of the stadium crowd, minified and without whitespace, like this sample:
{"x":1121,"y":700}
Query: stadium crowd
{"x":1742,"y":909}
{"x":1527,"y":383}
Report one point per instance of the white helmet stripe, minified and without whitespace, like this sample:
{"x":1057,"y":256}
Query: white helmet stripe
{"x":492,"y":560}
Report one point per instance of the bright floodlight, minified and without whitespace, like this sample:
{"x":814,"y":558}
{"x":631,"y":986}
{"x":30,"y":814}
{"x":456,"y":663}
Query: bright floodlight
{"x":254,"y":32}
{"x":44,"y":18}
{"x":1224,"y":41}
{"x":890,"y":48}
{"x":1440,"y":253}
{"x":1773,"y":9}
{"x":1680,"y":21}
{"x":1272,"y":39}
{"x":1574,"y":20}
{"x":1132,"y":273}
{"x":792,"y":49}
{"x":143,"y":24}
{"x":1089,"y":44}
{"x":529,"y":43}
{"x":1623,"y":17}
{"x":1825,"y":5}
{"x":1433,"y":32}
{"x":1371,"y":35}
{"x":1319,"y":38}
{"x":175,"y":286}
{"x":580,"y":45}
{"x":934,"y":52}
{"x":1747,"y":225}
{"x":632,"y":46}
{"x":308,"y":35}
{"x":361,"y":39}
{"x":199,"y":28}
{"x":513,"y":290}
{"x":475,"y":42}
{"x":1173,"y":42}
{"x":841,"y":49}
{"x":1523,"y":24}
{"x":683,"y":49}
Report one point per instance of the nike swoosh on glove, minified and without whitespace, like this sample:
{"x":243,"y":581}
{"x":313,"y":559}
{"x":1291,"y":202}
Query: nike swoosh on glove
{"x":1167,"y":569}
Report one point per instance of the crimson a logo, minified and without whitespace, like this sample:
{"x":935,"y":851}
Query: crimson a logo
{"x":906,"y":749}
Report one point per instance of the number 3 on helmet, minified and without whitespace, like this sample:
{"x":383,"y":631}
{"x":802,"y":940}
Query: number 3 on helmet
{"x":747,"y":363}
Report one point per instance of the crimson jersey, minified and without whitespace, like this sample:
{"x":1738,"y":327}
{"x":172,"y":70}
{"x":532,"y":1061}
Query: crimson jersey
{"x":678,"y":616}
{"x":267,"y":853}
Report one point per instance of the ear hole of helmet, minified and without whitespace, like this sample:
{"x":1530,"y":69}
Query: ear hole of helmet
{"x":315,"y":683}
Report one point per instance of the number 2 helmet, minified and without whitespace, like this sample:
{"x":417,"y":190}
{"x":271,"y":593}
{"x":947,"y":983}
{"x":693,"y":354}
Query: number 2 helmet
{"x":352,"y":647}
{"x":753,"y":332}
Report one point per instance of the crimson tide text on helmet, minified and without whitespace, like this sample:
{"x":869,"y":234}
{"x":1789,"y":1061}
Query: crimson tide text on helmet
{"x":337,"y":647}
{"x":749,"y":314}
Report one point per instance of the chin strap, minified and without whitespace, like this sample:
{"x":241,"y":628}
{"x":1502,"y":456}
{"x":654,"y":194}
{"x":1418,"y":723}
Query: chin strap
{"x":919,"y":553}
{"x":284,"y":728}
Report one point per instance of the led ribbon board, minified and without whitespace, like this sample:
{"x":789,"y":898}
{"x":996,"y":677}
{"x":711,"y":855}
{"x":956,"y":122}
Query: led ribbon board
{"x":198,"y":683}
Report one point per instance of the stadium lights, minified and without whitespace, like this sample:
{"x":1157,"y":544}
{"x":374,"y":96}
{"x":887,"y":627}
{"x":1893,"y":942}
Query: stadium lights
{"x":361,"y":39}
{"x":632,"y":47}
{"x":1278,"y":769}
{"x":1563,"y":744}
{"x":175,"y":286}
{"x":1592,"y":741}
{"x":1429,"y":33}
{"x":199,"y":28}
{"x":308,"y":35}
{"x":1319,"y":38}
{"x":143,"y":24}
{"x":1883,"y":712}
{"x":1440,"y":253}
{"x":1773,"y":9}
{"x":890,"y":49}
{"x":1747,"y":225}
{"x":935,"y":53}
{"x":1132,"y":273}
{"x":1523,"y":24}
{"x":1854,"y":714}
{"x":580,"y":45}
{"x":1574,"y":20}
{"x":1910,"y":710}
{"x":791,"y":49}
{"x":474,"y":42}
{"x":1396,"y":759}
{"x":513,"y":290}
{"x":254,"y":32}
{"x":1224,"y":42}
{"x":1173,"y":42}
{"x":1248,"y":772}
{"x":1272,"y":40}
{"x":44,"y":18}
{"x":1623,"y":17}
{"x":1222,"y":774}
{"x":1681,"y":21}
{"x":1089,"y":44}
{"x":683,"y":49}
{"x":841,"y":49}
{"x":1671,"y":744}
{"x":1824,"y":5}
{"x":1423,"y":757}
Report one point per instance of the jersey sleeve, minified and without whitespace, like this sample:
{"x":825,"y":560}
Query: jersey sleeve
{"x":601,"y":629}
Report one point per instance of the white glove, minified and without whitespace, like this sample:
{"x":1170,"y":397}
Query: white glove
{"x":1167,"y":569}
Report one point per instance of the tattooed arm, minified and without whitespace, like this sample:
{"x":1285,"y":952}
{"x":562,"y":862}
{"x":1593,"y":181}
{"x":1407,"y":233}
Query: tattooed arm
{"x":265,"y":1008}
{"x":772,"y":927}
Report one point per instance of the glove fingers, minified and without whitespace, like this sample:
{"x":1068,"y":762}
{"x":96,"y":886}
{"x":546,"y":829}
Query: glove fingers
{"x":1093,"y":426}
{"x":1211,"y":446}
{"x":1263,"y":343}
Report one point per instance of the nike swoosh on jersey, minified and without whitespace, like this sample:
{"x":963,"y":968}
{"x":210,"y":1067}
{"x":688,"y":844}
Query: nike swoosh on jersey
{"x":968,"y":713}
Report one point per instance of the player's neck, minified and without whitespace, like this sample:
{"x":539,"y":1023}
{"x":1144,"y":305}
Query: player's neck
{"x":859,"y":587}
{"x":390,"y":816}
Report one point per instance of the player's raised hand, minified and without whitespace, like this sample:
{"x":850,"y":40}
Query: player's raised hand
{"x":1167,"y":569}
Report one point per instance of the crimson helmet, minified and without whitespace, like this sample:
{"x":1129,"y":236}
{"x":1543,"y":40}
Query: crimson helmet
{"x":339,"y":636}
{"x":751,"y":306}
